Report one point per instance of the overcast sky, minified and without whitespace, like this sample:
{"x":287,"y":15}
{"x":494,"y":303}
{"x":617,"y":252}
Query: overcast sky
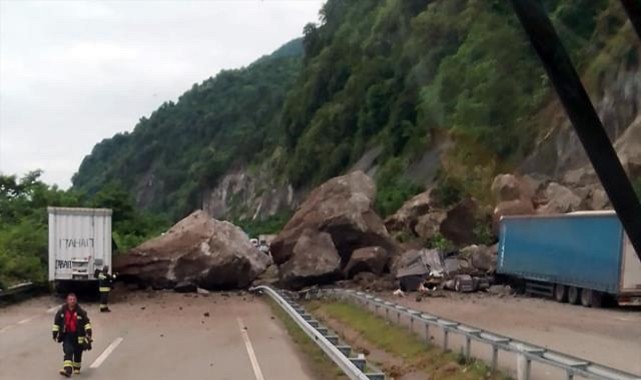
{"x":75,"y":72}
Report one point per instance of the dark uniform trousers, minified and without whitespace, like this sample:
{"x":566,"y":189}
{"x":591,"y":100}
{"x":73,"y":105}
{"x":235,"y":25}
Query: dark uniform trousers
{"x":72,"y":346}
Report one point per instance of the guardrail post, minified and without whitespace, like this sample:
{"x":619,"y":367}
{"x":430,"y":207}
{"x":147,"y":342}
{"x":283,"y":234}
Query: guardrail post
{"x":411,"y":323}
{"x":398,"y":317}
{"x":523,"y":364}
{"x":495,"y":357}
{"x":468,"y":347}
{"x":446,"y":334}
{"x":427,"y":333}
{"x":570,"y":375}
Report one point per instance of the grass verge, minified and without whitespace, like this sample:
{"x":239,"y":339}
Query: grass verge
{"x":401,"y":343}
{"x":320,"y":366}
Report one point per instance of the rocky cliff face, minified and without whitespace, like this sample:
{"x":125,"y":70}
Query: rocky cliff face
{"x":617,"y":99}
{"x":249,"y":194}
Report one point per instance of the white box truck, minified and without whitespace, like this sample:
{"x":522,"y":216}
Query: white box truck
{"x":79,"y":243}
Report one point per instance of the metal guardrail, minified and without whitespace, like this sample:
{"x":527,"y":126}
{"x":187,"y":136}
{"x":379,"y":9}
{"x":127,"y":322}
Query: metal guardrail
{"x":17,"y":289}
{"x":572,"y":366}
{"x":22,"y":291}
{"x":353,"y":367}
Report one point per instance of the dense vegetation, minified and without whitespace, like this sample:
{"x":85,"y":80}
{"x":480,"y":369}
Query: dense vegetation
{"x":23,"y":223}
{"x":401,"y":76}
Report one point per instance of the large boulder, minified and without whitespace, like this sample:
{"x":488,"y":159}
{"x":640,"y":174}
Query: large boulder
{"x":460,"y":221}
{"x":314,"y":261}
{"x":508,"y":187}
{"x":599,"y":199}
{"x":481,"y":257}
{"x":407,"y":216}
{"x":514,"y":207}
{"x":368,"y":259}
{"x":199,"y":250}
{"x":342,"y":207}
{"x":560,"y":199}
{"x":429,"y":224}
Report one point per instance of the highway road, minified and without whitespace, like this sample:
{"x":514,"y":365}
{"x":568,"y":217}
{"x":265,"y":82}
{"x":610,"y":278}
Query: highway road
{"x":159,"y":335}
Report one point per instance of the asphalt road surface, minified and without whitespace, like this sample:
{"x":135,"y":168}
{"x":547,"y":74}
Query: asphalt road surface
{"x":158,"y":335}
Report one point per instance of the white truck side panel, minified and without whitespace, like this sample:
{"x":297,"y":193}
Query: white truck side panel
{"x":631,"y":271}
{"x":79,"y":242}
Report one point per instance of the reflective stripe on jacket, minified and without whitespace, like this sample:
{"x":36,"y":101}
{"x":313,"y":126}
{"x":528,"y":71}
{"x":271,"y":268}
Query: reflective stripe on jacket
{"x":105,"y":281}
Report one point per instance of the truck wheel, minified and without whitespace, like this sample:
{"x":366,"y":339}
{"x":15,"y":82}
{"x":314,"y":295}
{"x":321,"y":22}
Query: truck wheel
{"x":586,"y":297}
{"x":573,"y":295}
{"x":560,"y":293}
{"x":594,"y":297}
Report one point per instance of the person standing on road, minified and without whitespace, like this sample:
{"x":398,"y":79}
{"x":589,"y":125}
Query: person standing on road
{"x":105,"y":282}
{"x":72,"y":328}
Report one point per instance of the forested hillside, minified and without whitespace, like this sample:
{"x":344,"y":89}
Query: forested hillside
{"x":388,"y":79}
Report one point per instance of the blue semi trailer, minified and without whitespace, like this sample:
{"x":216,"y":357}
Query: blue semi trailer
{"x":581,"y":257}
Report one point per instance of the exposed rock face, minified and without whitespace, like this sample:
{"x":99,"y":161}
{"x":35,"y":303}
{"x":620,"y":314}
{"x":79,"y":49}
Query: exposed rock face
{"x":368,"y":259}
{"x":249,"y":194}
{"x":618,"y":104}
{"x":407,"y":216}
{"x":200,"y":250}
{"x":458,"y":225}
{"x":342,"y":207}
{"x":314,"y":261}
{"x":560,"y":199}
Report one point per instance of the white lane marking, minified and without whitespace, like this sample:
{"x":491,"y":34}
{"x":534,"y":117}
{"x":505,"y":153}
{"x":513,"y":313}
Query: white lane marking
{"x":250,"y":350}
{"x":27,"y":320}
{"x":105,"y":354}
{"x":53,"y":309}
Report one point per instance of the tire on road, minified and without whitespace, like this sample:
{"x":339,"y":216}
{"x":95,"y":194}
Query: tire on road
{"x":574,"y":295}
{"x":561,"y":293}
{"x":586,"y":297}
{"x":595,"y":298}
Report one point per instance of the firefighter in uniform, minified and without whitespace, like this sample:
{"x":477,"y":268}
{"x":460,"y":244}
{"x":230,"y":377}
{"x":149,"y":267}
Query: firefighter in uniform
{"x":72,"y":328}
{"x":105,"y":281}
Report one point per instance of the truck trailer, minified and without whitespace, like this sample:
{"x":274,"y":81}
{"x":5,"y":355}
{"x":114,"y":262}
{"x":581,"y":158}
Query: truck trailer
{"x":580,"y":257}
{"x":79,"y":243}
